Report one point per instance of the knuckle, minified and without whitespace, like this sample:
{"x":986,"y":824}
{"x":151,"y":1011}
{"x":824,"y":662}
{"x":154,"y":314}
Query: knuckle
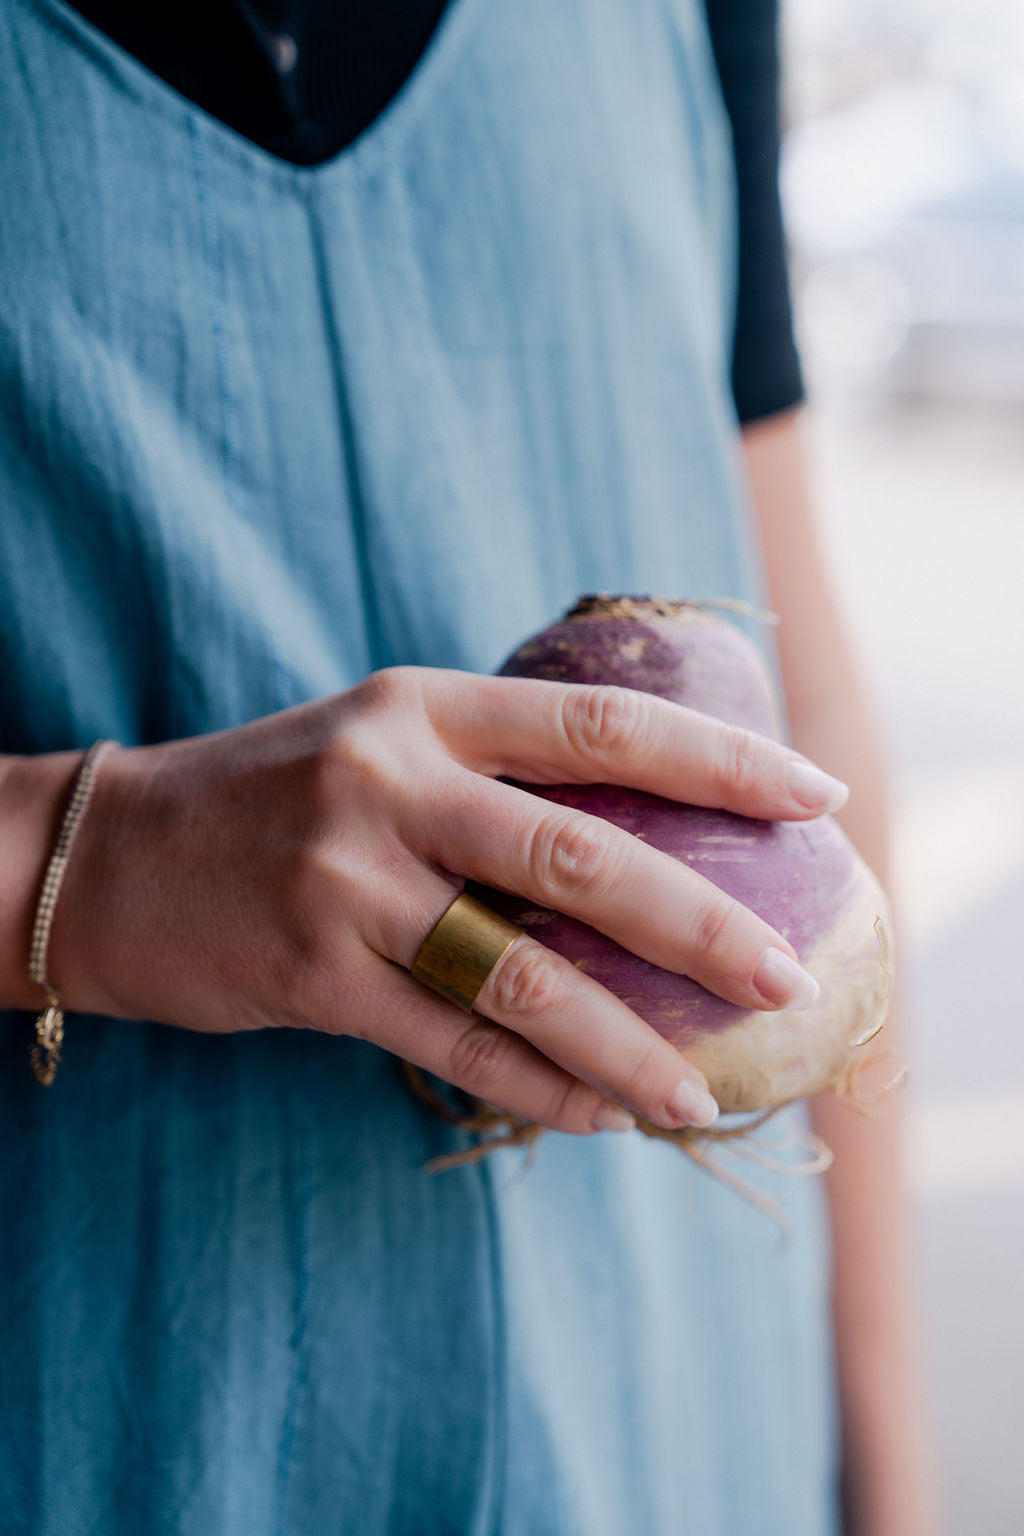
{"x":386,"y":689}
{"x":714,"y":924}
{"x":370,"y":742}
{"x":331,"y":779}
{"x":353,"y":753}
{"x":481,"y":1057}
{"x":644,"y":1085}
{"x":738,"y":766}
{"x":569,"y":853}
{"x":526,"y":983}
{"x":603,"y":720}
{"x":311,"y":790}
{"x":571,"y":1108}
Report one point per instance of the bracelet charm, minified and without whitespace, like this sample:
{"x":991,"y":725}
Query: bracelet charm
{"x":49,"y":1039}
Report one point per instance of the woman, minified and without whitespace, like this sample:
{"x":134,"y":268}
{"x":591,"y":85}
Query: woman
{"x":292,"y":456}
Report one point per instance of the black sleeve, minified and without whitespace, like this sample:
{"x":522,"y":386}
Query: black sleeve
{"x":766,"y":373}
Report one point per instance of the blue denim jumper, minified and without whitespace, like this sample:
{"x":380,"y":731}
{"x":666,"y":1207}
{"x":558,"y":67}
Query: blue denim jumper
{"x":264,"y":429}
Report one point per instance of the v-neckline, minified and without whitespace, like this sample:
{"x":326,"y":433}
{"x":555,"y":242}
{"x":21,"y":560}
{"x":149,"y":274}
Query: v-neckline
{"x":374,"y":146}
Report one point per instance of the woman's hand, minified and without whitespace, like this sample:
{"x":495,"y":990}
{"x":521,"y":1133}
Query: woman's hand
{"x":287,"y":871}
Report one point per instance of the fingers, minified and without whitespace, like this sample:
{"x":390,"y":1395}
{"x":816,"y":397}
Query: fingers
{"x":580,"y":1025}
{"x":559,"y":733}
{"x":639,"y":896}
{"x":544,"y":1041}
{"x":495,"y":1064}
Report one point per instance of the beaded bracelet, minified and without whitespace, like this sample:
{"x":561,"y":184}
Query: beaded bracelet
{"x":50,"y":1023}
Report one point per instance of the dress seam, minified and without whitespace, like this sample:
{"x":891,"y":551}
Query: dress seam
{"x":378,"y":646}
{"x":216,"y":276}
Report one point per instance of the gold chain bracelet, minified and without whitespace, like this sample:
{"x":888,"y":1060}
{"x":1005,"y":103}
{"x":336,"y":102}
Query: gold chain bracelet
{"x":50,"y":1023}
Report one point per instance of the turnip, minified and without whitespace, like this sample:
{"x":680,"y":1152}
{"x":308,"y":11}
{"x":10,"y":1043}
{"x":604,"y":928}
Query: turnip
{"x":804,"y":878}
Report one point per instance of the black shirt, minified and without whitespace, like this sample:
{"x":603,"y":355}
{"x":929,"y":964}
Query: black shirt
{"x":303,"y":78}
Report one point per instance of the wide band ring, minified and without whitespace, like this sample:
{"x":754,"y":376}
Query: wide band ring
{"x":462,"y":949}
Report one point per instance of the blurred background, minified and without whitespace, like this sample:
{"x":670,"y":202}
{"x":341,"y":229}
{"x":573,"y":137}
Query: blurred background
{"x":903,"y":188}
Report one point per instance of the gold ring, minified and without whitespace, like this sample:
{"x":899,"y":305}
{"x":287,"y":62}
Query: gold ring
{"x":462,"y":949}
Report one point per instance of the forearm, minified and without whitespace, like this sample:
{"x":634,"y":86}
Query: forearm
{"x":885,"y":1476}
{"x":887,"y":1482}
{"x":33,"y":799}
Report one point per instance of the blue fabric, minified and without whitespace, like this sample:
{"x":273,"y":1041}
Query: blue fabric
{"x":265,"y":429}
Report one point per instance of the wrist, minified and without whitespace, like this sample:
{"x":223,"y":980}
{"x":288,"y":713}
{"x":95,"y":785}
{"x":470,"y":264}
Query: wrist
{"x":83,"y":947}
{"x":34,"y":795}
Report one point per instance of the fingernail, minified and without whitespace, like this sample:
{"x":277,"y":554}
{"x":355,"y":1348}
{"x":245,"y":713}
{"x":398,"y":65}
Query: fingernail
{"x":612,"y":1117}
{"x":781,"y":980}
{"x":692,"y":1103}
{"x":815,"y":789}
